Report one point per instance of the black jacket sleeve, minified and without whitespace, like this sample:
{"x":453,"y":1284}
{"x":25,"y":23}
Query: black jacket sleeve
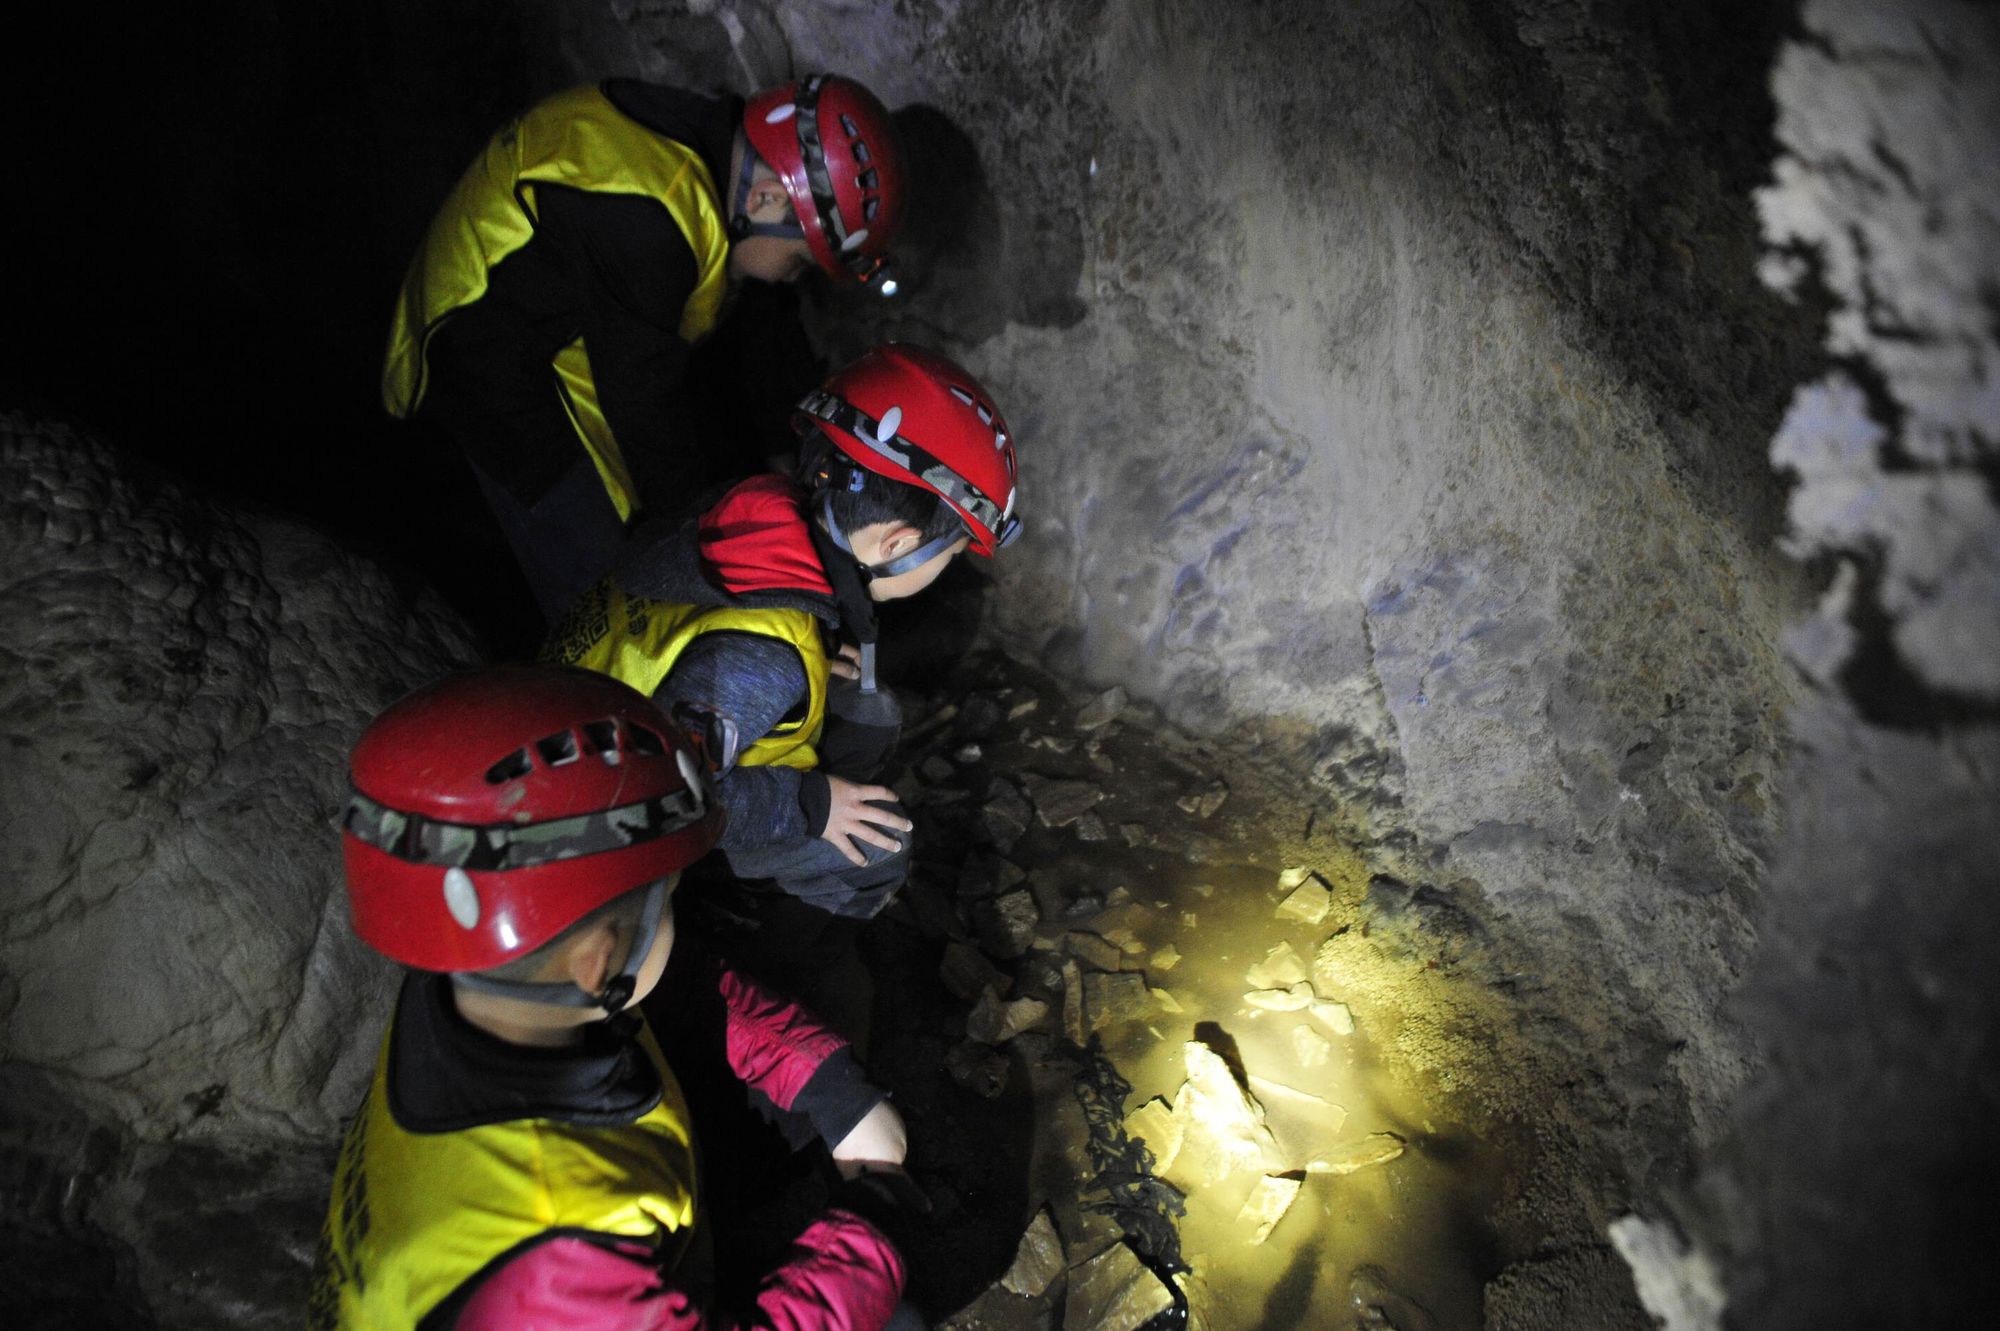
{"x":636,"y":272}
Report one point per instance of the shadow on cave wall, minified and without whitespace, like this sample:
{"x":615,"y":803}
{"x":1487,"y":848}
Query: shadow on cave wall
{"x":1643,"y":221}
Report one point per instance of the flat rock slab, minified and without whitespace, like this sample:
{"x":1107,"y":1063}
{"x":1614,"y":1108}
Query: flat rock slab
{"x":1114,"y":1291}
{"x":1060,"y":803}
{"x":1038,"y":1261}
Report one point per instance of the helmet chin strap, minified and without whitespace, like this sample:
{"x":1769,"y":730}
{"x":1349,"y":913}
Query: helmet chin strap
{"x":618,"y":989}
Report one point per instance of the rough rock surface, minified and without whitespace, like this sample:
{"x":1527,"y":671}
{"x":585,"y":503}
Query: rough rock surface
{"x":181,"y":684}
{"x":1853,"y":1187}
{"x":1387,"y":476}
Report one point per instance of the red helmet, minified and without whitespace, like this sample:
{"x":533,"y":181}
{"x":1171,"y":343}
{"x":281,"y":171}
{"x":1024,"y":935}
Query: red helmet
{"x":495,"y":808}
{"x":914,"y":416}
{"x":831,"y":143}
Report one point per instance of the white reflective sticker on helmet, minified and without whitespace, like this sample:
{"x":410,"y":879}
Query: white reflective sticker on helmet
{"x":892,"y":421}
{"x":1008,"y":511}
{"x":461,"y":898}
{"x":779,"y":114}
{"x":690,"y":773}
{"x":854,"y":239}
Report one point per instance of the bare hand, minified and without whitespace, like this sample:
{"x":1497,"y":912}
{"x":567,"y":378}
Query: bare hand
{"x":878,"y":1142}
{"x":845,"y":663}
{"x":853,"y":819}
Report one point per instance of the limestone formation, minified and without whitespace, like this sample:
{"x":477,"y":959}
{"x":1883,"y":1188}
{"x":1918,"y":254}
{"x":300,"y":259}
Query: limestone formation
{"x":183,"y":684}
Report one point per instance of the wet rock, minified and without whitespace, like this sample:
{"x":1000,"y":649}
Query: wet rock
{"x":1203,"y":890}
{"x":1053,"y":743}
{"x":1267,"y":1204}
{"x":1112,"y":998}
{"x":1292,"y":998}
{"x":1037,"y":1261}
{"x":967,"y":753}
{"x":1114,"y":1291}
{"x":1327,"y":1117}
{"x":995,"y":1020}
{"x":1121,"y":936}
{"x":1060,"y":803}
{"x":1167,"y":958}
{"x":979,"y":1068}
{"x":1005,"y":815}
{"x":1091,"y":828}
{"x":935,"y":768}
{"x":1378,"y":1307}
{"x":1166,"y":1002}
{"x":1377,"y":1148}
{"x":1021,"y":709}
{"x":1223,"y":1128}
{"x":1007,"y":923}
{"x":1135,"y":835}
{"x":1309,"y":899}
{"x":1334,"y":1016}
{"x":1075,"y":1029}
{"x":1206,"y":803}
{"x":1101,"y":710}
{"x":1154,"y":1124}
{"x":1093,"y":950}
{"x":968,"y":974}
{"x":1281,"y":968}
{"x":1309,"y":1047}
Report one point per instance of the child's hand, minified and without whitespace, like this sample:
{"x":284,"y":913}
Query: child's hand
{"x":845,"y":663}
{"x":874,"y":1144}
{"x":855,"y":817}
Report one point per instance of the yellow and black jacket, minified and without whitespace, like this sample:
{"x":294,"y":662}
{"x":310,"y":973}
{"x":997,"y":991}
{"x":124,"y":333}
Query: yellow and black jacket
{"x":553,"y":300}
{"x":483,"y":1186}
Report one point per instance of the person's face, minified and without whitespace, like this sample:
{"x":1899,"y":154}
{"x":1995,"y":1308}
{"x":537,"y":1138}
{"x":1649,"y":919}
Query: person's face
{"x":769,"y":258}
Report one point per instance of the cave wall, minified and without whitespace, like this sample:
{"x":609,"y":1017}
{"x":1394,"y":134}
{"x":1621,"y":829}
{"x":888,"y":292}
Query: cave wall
{"x":1854,"y":1186}
{"x":1392,"y":383}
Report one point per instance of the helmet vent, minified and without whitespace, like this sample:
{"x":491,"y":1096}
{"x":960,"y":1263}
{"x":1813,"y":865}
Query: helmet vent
{"x":559,"y":748}
{"x":961,"y":395}
{"x":860,"y":152}
{"x":869,"y":208}
{"x":847,"y":124}
{"x":602,"y":737}
{"x":511,"y":768}
{"x":866,"y":179}
{"x":985,"y":414}
{"x":645,"y":743}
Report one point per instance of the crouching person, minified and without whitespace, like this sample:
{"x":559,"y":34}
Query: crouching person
{"x":524,"y":1157}
{"x":758,"y":617}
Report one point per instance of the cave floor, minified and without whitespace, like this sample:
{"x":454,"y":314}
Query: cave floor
{"x":1129,"y":907}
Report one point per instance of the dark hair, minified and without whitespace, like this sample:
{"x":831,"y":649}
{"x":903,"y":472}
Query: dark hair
{"x":881,"y":499}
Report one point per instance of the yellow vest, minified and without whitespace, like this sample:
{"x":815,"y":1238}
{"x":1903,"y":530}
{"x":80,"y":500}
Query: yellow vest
{"x":637,"y":641}
{"x":580,"y":140}
{"x":415,"y":1215}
